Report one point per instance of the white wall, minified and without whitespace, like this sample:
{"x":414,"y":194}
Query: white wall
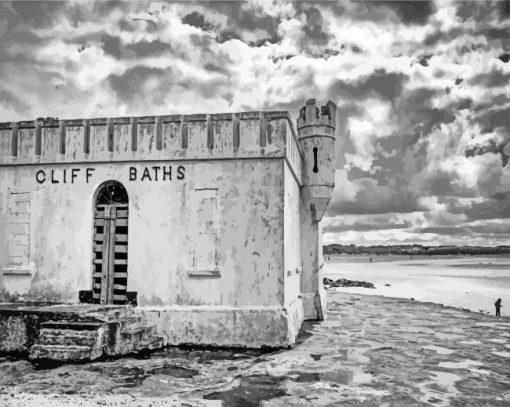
{"x":292,"y":233}
{"x":161,"y":231}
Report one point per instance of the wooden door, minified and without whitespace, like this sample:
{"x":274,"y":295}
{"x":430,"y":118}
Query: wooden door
{"x":109,"y":278}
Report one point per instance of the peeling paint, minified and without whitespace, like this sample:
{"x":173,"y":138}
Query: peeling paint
{"x":233,"y":226}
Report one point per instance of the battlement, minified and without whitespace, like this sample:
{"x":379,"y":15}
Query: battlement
{"x":169,"y":137}
{"x":312,"y":115}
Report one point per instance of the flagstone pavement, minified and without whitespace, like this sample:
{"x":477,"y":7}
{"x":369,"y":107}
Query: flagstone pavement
{"x":371,"y":351}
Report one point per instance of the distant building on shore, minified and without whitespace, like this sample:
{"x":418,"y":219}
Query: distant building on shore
{"x":208,"y":224}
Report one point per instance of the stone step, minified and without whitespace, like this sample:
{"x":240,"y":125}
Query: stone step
{"x":68,"y":337}
{"x":150,"y":344}
{"x":135,"y":320}
{"x":147,"y":330}
{"x":115,"y":314}
{"x":72,"y":325}
{"x":65,"y":353}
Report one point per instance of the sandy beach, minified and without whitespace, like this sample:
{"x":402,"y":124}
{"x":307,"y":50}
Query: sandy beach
{"x":473,"y":283}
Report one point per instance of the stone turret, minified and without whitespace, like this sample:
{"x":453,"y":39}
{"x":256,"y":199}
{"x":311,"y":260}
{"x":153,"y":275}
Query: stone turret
{"x":316,"y":135}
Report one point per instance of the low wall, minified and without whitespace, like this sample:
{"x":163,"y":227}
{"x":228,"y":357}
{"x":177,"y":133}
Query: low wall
{"x":217,"y":326}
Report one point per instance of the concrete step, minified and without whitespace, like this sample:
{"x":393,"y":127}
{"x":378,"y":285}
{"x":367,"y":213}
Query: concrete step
{"x":132,"y":320}
{"x":115,"y":314}
{"x":150,"y":344}
{"x":68,"y":337}
{"x":72,"y":325}
{"x":140,"y":330}
{"x":90,"y":338}
{"x":65,"y":353}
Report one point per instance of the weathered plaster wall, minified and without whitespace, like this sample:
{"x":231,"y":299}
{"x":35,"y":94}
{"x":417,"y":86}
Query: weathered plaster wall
{"x":312,"y":290}
{"x":292,"y":241}
{"x":238,"y":135}
{"x":236,"y":187}
{"x":162,"y":227}
{"x":247,"y":326}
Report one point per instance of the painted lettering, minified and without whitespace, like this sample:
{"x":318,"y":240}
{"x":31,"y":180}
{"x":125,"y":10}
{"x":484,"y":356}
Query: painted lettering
{"x":156,"y":169}
{"x":146,"y":174}
{"x":132,"y":173}
{"x":180,"y":172}
{"x":88,"y":173}
{"x":156,"y":173}
{"x":167,"y":171}
{"x":40,"y":176}
{"x":74,"y":174}
{"x":61,"y":176}
{"x":53,"y":180}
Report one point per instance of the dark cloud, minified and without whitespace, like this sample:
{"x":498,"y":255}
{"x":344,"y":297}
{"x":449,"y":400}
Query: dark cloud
{"x":505,"y":57}
{"x":313,"y":27}
{"x":444,"y":230}
{"x":497,"y":33}
{"x":126,"y":25}
{"x":504,"y":9}
{"x":146,"y":48}
{"x":150,"y":25}
{"x":241,"y":19}
{"x":382,"y":11}
{"x":492,"y":79}
{"x":106,"y":7}
{"x":197,"y":19}
{"x":225,"y":36}
{"x":373,"y":198}
{"x":36,"y":14}
{"x":415,"y":113}
{"x":491,"y":228}
{"x":386,"y":85}
{"x":398,"y":175}
{"x":424,"y":60}
{"x":494,"y":119}
{"x":464,"y":104}
{"x":489,"y":147}
{"x":12,"y":101}
{"x":129,"y":85}
{"x":111,"y":45}
{"x":410,"y":12}
{"x":440,"y":184}
{"x":365,"y":227}
{"x":495,"y":207}
{"x":476,"y":10}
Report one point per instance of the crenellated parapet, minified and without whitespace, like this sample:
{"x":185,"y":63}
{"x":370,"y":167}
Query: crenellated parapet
{"x":316,"y":135}
{"x":170,"y":137}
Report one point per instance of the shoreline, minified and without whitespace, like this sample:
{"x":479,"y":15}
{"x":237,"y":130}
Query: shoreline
{"x":458,"y":281}
{"x":344,"y":290}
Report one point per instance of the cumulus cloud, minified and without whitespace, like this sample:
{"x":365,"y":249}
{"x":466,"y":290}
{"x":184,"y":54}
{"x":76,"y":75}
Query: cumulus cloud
{"x":421,"y":88}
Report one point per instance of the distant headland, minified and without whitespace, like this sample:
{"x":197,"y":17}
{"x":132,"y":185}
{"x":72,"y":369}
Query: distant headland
{"x":415,"y":249}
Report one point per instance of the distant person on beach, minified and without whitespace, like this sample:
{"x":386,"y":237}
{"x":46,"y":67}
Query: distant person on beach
{"x":498,"y":307}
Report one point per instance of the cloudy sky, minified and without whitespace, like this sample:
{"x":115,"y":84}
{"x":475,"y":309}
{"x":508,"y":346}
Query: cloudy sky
{"x":422,"y":89}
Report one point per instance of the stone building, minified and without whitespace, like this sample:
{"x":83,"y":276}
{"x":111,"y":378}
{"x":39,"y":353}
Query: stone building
{"x":207,"y":226}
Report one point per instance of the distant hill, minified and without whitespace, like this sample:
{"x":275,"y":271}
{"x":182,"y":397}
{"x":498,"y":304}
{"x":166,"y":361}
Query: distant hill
{"x":413,"y":250}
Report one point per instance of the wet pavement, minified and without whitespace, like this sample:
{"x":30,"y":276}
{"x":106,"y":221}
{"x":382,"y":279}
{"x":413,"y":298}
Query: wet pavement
{"x":371,"y":351}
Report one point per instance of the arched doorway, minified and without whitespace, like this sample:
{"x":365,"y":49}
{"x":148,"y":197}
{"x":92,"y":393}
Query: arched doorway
{"x":110,"y":245}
